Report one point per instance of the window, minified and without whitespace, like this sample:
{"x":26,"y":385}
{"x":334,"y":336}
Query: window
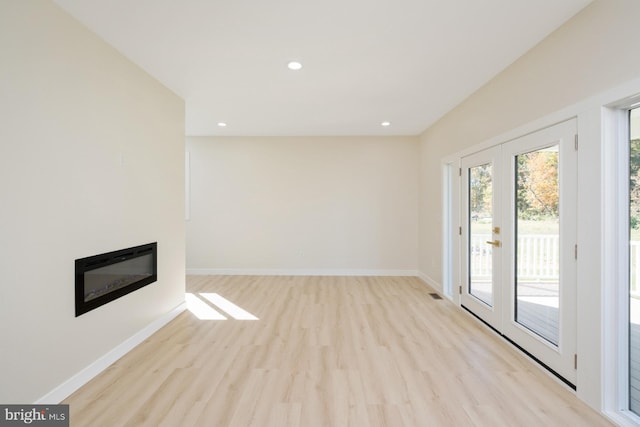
{"x":634,"y":261}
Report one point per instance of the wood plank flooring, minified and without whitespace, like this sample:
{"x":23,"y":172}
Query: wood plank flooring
{"x":326,"y":351}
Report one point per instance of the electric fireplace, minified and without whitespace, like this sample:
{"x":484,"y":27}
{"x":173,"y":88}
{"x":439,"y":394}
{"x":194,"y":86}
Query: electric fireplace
{"x":103,"y":278}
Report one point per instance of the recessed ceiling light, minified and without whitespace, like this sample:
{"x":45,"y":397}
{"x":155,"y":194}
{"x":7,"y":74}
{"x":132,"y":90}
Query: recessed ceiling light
{"x":385,"y":124}
{"x":222,"y":124}
{"x":294,"y":65}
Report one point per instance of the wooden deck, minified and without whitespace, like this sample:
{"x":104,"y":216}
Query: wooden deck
{"x":326,"y":351}
{"x":537,"y":306}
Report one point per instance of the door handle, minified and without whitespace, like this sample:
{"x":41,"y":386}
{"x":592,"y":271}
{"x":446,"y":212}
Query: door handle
{"x":495,"y":243}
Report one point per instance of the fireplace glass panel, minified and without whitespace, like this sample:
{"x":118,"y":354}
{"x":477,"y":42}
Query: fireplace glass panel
{"x":106,"y":277}
{"x":110,"y":278}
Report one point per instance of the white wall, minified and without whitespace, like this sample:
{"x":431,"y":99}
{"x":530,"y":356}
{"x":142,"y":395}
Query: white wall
{"x":91,"y":160}
{"x":593,"y":52}
{"x":303,"y":204}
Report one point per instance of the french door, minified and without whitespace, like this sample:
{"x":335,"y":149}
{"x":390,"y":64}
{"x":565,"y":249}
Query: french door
{"x":519,"y":240}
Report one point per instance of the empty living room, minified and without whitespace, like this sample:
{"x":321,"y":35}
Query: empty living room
{"x":285,"y":213}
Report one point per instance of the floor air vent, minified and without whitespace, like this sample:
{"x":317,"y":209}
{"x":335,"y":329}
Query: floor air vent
{"x":435,"y":296}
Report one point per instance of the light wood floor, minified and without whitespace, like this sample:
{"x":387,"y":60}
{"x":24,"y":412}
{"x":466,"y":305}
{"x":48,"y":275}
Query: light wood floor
{"x":326,"y":351}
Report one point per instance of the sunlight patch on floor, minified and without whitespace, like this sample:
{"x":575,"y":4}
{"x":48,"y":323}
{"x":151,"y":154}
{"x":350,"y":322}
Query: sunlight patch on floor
{"x":228,"y":307}
{"x":205,"y":306}
{"x":201,"y":309}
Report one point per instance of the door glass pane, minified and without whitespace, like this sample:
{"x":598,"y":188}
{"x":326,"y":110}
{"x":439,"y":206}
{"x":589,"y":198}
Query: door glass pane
{"x":537,"y":228}
{"x":634,"y":261}
{"x":480,"y":219}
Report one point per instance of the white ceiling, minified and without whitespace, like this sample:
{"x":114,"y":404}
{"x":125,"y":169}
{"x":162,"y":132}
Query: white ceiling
{"x":364,"y":61}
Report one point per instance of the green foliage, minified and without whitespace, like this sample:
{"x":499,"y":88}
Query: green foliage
{"x":634,"y":184}
{"x":481,"y":191}
{"x":537,"y":185}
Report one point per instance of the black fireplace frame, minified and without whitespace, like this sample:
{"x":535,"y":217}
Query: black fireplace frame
{"x":82,"y":265}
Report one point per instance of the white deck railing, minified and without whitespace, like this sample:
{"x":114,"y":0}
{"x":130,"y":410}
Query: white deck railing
{"x":538,"y":256}
{"x":634,"y":264}
{"x":539,"y":259}
{"x":480,"y":254}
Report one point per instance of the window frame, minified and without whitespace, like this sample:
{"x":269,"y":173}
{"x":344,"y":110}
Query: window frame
{"x":615,"y":261}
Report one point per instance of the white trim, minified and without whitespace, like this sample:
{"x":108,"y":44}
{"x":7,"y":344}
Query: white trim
{"x":615,"y":158}
{"x":187,"y":186}
{"x":623,"y":418}
{"x":65,"y":389}
{"x":456,"y":225}
{"x":448,"y":171}
{"x":433,"y":284}
{"x":615,"y":375}
{"x":297,"y":272}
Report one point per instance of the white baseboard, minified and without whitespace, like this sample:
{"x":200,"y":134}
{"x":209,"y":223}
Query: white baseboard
{"x":65,"y":389}
{"x":429,"y":281}
{"x":297,"y":272}
{"x":435,"y":285}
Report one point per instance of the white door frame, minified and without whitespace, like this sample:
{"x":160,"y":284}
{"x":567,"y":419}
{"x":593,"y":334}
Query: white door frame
{"x":559,"y":359}
{"x":489,"y":313}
